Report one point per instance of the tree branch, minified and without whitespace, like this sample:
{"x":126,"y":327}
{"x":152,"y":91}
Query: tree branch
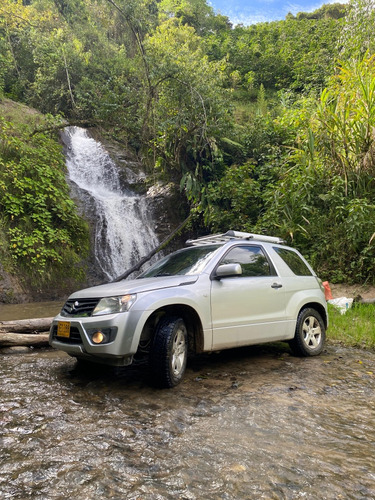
{"x":68,"y":79}
{"x":77,"y":123}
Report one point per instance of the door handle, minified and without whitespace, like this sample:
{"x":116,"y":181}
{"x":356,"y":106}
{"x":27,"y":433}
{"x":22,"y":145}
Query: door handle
{"x":276,"y":285}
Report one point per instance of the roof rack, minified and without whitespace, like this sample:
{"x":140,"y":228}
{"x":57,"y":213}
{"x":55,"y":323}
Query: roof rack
{"x":231,"y":235}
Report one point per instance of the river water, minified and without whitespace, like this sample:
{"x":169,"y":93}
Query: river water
{"x":9,"y":312}
{"x":253,"y":423}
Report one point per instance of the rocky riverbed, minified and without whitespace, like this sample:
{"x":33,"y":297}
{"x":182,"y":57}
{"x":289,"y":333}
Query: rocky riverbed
{"x":249,"y":423}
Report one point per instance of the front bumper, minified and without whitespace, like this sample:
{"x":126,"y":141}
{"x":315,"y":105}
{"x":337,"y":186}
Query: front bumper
{"x":118,"y":352}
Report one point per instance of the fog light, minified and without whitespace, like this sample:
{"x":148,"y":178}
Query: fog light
{"x":102,"y":335}
{"x":99,"y":337}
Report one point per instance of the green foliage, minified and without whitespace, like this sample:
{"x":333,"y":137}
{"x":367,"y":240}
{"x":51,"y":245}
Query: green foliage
{"x":311,"y":179}
{"x":238,"y":198}
{"x":238,"y":117}
{"x":195,"y":13}
{"x":357,"y":36}
{"x":234,"y":200}
{"x":296,"y":54}
{"x":324,"y":200}
{"x":188,"y":109}
{"x":310,"y":209}
{"x":261,"y":100}
{"x":347,"y":116}
{"x":333,"y":10}
{"x":45,"y":235}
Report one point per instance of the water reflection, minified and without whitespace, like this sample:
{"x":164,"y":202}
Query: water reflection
{"x":251,"y":423}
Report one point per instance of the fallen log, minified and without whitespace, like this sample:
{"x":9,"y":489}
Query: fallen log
{"x":23,"y":339}
{"x":26,"y":325}
{"x":59,"y":126}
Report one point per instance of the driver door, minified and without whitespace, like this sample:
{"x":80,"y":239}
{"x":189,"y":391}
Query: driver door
{"x":248,"y":308}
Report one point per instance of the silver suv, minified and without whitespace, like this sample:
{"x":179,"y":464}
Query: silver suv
{"x":222,"y":291}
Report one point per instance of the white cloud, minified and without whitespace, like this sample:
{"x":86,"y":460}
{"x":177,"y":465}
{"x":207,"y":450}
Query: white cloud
{"x":246,"y":20}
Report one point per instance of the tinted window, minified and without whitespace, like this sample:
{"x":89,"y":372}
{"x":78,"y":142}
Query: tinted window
{"x":294,"y":261}
{"x":187,"y":261}
{"x":252,"y":259}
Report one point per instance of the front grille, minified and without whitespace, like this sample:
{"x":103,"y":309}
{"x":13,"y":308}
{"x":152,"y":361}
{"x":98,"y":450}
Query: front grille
{"x":79,"y":307}
{"x":74,"y":337}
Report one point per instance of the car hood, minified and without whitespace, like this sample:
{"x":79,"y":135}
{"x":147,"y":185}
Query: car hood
{"x":134,"y":286}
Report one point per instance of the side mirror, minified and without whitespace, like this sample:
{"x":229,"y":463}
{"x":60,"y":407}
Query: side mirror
{"x":226,"y":270}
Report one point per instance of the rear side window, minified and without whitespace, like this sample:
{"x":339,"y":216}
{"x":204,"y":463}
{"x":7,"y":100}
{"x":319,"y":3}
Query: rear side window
{"x":293,"y":261}
{"x":252,"y":260}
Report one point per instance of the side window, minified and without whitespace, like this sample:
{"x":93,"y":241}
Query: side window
{"x":293,"y":261}
{"x":252,"y":259}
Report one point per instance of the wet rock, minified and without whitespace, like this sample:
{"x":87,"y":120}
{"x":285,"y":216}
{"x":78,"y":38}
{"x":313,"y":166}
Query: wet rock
{"x":15,"y":350}
{"x":170,"y":209}
{"x":11,"y":290}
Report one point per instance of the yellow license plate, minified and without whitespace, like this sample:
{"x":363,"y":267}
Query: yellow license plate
{"x":63,"y":329}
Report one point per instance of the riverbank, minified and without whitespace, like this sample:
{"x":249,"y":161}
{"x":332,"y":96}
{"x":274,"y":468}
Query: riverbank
{"x":352,"y":291}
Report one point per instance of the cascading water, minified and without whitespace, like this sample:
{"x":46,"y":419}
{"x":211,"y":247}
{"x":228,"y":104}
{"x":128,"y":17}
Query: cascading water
{"x":124,"y":229}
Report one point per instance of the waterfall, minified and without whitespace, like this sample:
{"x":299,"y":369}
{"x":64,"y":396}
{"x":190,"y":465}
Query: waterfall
{"x":124,"y":227}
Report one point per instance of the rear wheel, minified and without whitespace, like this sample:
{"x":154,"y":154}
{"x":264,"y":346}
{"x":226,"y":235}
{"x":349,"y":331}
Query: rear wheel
{"x":310,"y":333}
{"x":168,"y":355}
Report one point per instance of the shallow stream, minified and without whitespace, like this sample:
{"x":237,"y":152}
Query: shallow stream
{"x":253,"y":423}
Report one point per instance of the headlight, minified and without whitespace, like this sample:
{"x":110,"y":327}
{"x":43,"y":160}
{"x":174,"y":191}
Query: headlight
{"x":113,"y":305}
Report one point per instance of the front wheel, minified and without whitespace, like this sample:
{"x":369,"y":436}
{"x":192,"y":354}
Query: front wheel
{"x":310,"y":334}
{"x":168,"y":355}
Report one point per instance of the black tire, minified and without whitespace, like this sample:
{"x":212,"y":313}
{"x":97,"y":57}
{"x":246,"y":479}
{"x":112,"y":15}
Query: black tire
{"x":310,"y":333}
{"x":169,"y":351}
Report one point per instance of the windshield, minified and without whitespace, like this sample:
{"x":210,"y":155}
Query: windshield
{"x":184,"y":262}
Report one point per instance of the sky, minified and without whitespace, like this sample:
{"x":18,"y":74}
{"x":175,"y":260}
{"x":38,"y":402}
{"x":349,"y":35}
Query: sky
{"x":254,"y":11}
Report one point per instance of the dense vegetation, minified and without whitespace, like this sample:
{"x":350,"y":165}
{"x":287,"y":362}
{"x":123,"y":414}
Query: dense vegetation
{"x":267,"y":128}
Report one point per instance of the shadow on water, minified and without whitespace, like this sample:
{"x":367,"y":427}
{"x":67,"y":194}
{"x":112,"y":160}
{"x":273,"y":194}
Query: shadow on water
{"x":137,"y":375}
{"x":133,"y":376}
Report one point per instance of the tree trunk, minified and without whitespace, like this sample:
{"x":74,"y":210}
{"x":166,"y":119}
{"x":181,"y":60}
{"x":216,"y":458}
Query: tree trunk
{"x":26,"y":325}
{"x":22,"y":339}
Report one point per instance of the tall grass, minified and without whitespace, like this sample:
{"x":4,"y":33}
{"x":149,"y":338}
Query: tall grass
{"x":355,"y":328}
